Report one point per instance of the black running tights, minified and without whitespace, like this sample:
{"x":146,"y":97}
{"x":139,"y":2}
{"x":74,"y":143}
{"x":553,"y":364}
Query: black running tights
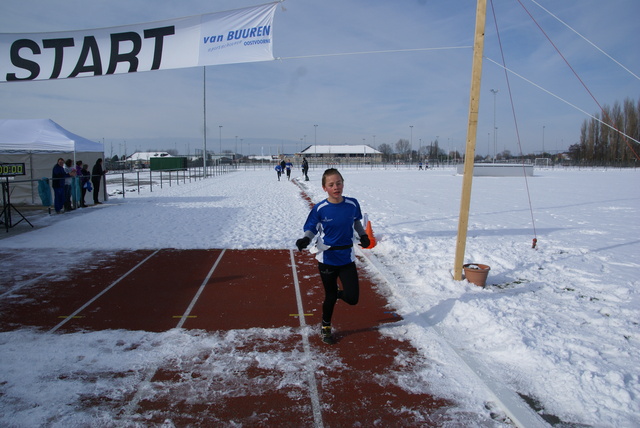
{"x":350,"y":292}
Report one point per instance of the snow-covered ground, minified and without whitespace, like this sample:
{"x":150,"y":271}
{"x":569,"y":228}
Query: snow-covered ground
{"x":559,"y":324}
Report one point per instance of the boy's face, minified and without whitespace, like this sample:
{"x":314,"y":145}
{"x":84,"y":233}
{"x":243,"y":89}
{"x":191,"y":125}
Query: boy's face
{"x":334,"y":186}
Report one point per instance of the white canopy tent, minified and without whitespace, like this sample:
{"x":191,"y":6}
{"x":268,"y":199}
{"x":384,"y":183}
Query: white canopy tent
{"x":38,"y":143}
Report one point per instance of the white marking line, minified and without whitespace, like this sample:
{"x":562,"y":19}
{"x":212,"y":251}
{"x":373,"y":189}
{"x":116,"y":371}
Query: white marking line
{"x":97,"y":296}
{"x":143,"y":385}
{"x":521,"y":414}
{"x":200,"y":290}
{"x":19,"y":287}
{"x":313,"y":387}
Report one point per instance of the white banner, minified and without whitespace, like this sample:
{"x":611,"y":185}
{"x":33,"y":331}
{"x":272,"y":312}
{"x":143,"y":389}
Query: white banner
{"x":236,"y":36}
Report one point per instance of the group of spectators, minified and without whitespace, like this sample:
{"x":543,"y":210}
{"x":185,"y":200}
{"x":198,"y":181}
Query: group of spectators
{"x":71,"y":183}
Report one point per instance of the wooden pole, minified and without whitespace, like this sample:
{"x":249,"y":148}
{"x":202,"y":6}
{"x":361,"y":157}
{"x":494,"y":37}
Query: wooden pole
{"x":470,"y":152}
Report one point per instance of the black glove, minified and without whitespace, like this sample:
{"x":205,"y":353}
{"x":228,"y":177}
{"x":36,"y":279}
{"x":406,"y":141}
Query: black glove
{"x":303,"y":243}
{"x":364,"y":241}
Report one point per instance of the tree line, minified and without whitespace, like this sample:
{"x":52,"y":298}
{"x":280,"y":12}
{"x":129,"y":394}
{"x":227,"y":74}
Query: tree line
{"x":601,"y":145}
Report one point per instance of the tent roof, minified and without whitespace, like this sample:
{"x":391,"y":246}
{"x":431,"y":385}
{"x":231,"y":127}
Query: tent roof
{"x":42,"y":135}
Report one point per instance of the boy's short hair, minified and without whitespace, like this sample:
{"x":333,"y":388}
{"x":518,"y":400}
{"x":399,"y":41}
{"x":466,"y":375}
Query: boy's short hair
{"x":328,"y":172}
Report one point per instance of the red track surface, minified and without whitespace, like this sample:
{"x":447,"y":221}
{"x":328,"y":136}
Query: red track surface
{"x":225,"y":291}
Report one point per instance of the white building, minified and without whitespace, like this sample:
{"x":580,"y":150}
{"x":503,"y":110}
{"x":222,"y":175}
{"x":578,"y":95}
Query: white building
{"x":341,"y":153}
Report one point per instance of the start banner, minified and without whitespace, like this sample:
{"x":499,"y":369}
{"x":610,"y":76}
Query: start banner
{"x":236,"y":36}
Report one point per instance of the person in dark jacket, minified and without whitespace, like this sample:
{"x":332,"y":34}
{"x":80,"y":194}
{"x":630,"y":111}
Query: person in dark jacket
{"x":85,"y":179}
{"x":58,"y":176}
{"x":305,"y":169}
{"x":96,"y":178}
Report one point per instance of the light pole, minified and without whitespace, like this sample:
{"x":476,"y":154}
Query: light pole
{"x":315,"y":145}
{"x":488,"y":143}
{"x":411,"y":145}
{"x":220,"y":126}
{"x":543,"y":140}
{"x":495,"y":138}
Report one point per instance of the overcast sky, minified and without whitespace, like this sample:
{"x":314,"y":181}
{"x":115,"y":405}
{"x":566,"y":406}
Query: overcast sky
{"x":270,"y":107}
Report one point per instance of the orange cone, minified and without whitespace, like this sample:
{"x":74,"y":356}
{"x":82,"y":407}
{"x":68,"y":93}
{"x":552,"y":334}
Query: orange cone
{"x":372,"y":238}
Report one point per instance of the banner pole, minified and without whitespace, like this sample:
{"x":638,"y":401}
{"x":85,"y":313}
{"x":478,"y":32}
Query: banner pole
{"x":470,"y":152}
{"x":204,"y":120}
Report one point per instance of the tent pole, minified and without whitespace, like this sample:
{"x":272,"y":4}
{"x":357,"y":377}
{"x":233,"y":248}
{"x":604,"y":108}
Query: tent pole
{"x":470,"y":153}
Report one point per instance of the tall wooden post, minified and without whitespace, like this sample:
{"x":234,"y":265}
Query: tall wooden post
{"x":470,"y":152}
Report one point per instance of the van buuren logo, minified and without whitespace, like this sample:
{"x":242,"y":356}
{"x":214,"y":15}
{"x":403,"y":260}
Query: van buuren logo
{"x":245,"y":33}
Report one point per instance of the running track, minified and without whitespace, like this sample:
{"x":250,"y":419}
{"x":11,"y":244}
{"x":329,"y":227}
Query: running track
{"x":221,"y":291}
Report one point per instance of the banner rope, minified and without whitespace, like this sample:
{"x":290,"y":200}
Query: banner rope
{"x":280,"y":58}
{"x":561,"y":99}
{"x":586,"y":40}
{"x":605,"y":116}
{"x":515,"y":120}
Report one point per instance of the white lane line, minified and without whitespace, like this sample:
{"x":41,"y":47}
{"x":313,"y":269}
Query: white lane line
{"x":521,"y":414}
{"x":97,"y":296}
{"x":29,"y":282}
{"x":200,"y":290}
{"x":149,"y":373}
{"x":311,"y":376}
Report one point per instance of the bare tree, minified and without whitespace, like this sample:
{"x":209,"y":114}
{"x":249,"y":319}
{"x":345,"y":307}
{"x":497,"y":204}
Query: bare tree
{"x":403,"y":148}
{"x":386,"y":150}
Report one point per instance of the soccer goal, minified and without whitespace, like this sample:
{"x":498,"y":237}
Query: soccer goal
{"x":542,"y":163}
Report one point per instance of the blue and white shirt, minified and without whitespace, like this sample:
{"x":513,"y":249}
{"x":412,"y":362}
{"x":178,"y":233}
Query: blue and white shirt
{"x":334,"y":224}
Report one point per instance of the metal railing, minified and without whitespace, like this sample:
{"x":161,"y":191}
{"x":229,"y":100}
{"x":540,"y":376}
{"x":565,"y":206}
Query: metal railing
{"x":143,"y":177}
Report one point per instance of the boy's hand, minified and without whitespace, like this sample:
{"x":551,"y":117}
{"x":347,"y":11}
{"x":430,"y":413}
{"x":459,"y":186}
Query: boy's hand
{"x":303,"y":243}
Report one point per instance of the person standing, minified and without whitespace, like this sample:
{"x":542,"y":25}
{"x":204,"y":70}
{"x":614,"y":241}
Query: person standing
{"x":334,"y":220}
{"x":58,"y":176}
{"x":78,"y":168}
{"x":70,"y":172}
{"x":96,"y":178}
{"x":85,"y":183}
{"x":305,"y":169}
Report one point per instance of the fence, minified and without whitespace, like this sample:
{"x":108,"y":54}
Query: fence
{"x":169,"y":177}
{"x":43,"y":187}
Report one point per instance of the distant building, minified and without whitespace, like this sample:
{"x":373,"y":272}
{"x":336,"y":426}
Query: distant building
{"x":341,"y":153}
{"x":143,"y":159}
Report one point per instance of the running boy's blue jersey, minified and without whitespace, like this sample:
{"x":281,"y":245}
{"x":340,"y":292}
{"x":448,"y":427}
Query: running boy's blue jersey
{"x":334,"y":223}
